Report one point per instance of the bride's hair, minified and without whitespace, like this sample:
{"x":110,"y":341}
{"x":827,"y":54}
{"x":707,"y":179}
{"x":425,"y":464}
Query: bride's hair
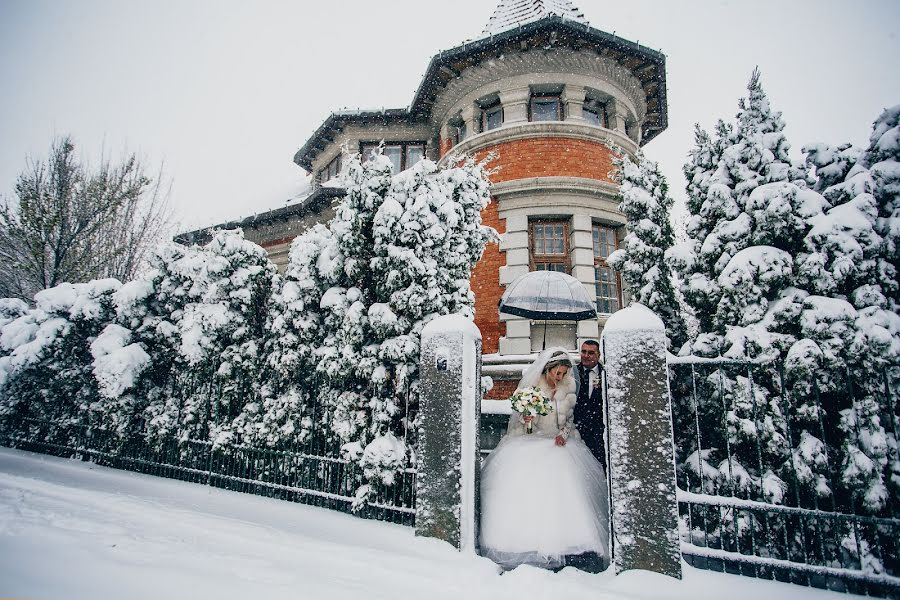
{"x":556,"y":359}
{"x":546,"y":360}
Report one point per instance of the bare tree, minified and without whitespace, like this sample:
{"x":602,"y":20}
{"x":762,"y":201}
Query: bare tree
{"x":69,"y":222}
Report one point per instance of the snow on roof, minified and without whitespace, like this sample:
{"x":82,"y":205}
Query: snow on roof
{"x":512,"y":13}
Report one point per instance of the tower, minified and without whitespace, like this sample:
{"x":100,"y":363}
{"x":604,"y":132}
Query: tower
{"x":548,"y":97}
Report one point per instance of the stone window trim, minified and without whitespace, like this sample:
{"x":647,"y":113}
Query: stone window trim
{"x":457,"y":129}
{"x":607,"y":282}
{"x":491,"y":116}
{"x":577,"y":73}
{"x":408,"y":153}
{"x":545,"y":107}
{"x":595,"y":112}
{"x":548,"y":245}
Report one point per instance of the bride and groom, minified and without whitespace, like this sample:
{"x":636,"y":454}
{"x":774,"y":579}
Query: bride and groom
{"x":544,"y":496}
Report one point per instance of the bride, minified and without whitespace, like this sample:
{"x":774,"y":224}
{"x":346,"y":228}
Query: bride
{"x":544,"y":496}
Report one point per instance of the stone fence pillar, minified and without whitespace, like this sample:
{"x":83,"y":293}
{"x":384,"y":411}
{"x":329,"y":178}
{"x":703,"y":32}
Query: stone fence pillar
{"x":643,"y":504}
{"x":447,"y":482}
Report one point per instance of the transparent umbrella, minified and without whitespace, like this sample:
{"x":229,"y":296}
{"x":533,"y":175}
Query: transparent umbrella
{"x":548,"y":296}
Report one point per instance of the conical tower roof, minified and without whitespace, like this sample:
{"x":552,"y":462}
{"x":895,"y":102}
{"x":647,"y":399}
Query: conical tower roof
{"x":512,"y":13}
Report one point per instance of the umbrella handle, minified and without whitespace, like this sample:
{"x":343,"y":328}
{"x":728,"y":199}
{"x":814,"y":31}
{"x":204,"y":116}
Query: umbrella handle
{"x":544,"y":345}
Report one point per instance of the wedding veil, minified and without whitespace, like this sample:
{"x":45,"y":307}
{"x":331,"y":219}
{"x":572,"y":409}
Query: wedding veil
{"x":532,"y":375}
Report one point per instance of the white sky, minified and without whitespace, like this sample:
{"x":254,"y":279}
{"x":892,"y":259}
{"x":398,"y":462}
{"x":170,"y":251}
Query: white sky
{"x":224,"y":92}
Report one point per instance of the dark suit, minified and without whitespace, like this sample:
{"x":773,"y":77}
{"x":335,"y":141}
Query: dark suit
{"x":589,"y":415}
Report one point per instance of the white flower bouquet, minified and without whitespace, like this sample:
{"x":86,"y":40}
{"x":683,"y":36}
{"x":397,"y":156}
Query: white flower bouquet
{"x":530,"y":402}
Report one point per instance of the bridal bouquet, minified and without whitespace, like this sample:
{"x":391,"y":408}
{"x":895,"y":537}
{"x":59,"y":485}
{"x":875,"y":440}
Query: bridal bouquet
{"x":530,"y":402}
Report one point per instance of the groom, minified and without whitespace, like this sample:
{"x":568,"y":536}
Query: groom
{"x":589,"y":407}
{"x":589,"y":422}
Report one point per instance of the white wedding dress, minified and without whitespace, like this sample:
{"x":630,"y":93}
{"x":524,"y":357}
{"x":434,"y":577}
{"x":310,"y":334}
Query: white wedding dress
{"x":541,"y":502}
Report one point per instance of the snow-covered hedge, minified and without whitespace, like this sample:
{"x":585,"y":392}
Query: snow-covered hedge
{"x":797,"y":263}
{"x":357,"y":293}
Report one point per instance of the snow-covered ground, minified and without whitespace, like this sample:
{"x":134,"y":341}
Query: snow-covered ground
{"x":71,"y":530}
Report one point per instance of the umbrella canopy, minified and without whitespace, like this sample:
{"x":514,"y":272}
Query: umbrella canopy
{"x":548,"y":295}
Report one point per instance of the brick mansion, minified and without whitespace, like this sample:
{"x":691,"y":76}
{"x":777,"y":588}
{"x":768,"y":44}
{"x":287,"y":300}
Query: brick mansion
{"x":547,"y":95}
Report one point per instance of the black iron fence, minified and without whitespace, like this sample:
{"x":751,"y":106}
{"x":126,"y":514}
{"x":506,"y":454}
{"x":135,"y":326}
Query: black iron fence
{"x":790,"y":475}
{"x":310,"y":473}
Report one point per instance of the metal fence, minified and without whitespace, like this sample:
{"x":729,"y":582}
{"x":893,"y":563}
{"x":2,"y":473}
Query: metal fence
{"x":312,"y":473}
{"x":762,"y":463}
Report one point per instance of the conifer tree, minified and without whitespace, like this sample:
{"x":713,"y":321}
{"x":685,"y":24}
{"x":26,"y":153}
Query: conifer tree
{"x":357,"y":293}
{"x":645,"y":202}
{"x":45,"y":354}
{"x":749,"y":208}
{"x":882,"y":158}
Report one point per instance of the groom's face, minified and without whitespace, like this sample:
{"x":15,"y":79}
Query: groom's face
{"x":590,"y":354}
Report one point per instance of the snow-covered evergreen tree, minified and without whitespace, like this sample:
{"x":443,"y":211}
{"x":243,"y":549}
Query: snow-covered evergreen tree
{"x":882,"y":158}
{"x":200,"y":316}
{"x":46,"y":362}
{"x":848,"y":315}
{"x":357,"y":293}
{"x":645,"y":202}
{"x":743,"y":192}
{"x":749,"y":211}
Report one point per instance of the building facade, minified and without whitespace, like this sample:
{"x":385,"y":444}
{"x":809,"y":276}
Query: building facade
{"x":550,"y":99}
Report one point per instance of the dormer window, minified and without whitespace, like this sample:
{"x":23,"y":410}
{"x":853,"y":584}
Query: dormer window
{"x":545,"y":107}
{"x":492,"y":116}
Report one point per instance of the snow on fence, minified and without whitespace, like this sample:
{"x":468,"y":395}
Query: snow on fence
{"x":309,"y":473}
{"x":791,"y":475}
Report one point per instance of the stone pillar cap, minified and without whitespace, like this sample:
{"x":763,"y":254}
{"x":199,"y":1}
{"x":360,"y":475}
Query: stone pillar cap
{"x":455,"y":323}
{"x":635,"y":317}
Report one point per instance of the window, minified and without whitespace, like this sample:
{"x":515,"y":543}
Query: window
{"x":331,"y":170}
{"x":549,"y":246}
{"x":606,"y":279}
{"x":545,"y":108}
{"x":492,"y":116}
{"x":458,"y":132}
{"x":595,"y":113}
{"x":402,"y":155}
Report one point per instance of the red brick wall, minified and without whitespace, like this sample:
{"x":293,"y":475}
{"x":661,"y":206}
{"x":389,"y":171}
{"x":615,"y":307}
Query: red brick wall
{"x":501,"y":390}
{"x":520,"y":159}
{"x":446,"y":144}
{"x":485,"y":283}
{"x":550,"y":156}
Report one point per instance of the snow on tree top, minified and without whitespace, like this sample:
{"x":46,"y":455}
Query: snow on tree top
{"x":512,"y":13}
{"x":76,"y":300}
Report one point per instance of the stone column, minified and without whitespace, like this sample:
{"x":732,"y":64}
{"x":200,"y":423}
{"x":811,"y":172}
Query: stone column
{"x":573,"y":99}
{"x":470,"y":115}
{"x":643,"y":503}
{"x":447,"y":484}
{"x":617,"y":115}
{"x":582,"y":260}
{"x":515,"y":243}
{"x":515,"y":104}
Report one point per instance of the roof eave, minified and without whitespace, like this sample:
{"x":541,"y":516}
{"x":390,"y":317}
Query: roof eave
{"x":302,"y":156}
{"x":418,"y":105}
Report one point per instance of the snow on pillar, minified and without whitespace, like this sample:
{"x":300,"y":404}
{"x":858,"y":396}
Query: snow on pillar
{"x":450,"y":417}
{"x":643,"y":505}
